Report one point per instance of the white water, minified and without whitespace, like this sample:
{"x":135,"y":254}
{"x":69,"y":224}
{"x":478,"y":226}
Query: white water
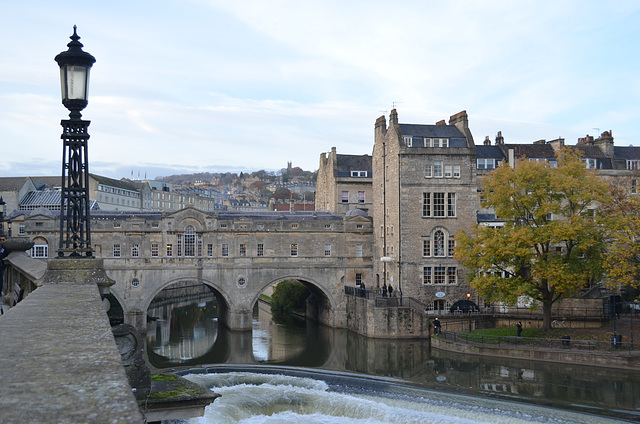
{"x":250,"y":398}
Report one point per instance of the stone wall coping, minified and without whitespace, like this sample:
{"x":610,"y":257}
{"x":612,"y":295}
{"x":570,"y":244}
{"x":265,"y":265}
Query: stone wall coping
{"x":59,"y":361}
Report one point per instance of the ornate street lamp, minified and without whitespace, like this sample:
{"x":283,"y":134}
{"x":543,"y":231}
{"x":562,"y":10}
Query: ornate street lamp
{"x":75,"y":234}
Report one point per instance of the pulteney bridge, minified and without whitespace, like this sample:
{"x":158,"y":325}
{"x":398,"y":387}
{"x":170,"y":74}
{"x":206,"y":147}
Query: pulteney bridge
{"x":237,"y":254}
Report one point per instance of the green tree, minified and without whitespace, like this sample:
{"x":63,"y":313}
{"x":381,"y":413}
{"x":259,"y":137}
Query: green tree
{"x":289,"y":296}
{"x":545,"y":259}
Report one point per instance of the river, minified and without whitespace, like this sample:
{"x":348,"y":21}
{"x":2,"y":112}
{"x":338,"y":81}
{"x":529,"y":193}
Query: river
{"x":308,"y":358}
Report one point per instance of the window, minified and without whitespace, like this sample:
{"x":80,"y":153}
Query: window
{"x":428,"y":171}
{"x":426,"y":247}
{"x":223,"y":225}
{"x":199,"y":237}
{"x":361,"y":197}
{"x":358,"y":250}
{"x":294,"y":249}
{"x":438,"y":204}
{"x":456,"y":171}
{"x":116,"y":250}
{"x":448,"y":171}
{"x":242,"y":281}
{"x":358,"y":173}
{"x":437,"y":169}
{"x":439,"y":276}
{"x":189,"y":241}
{"x":260,"y":249}
{"x":591,"y":163}
{"x":21,"y":231}
{"x":486,"y":163}
{"x":358,"y":279}
{"x":179,"y":245}
{"x":210,"y":250}
{"x":135,"y":282}
{"x":426,"y":276}
{"x":438,"y":243}
{"x":359,"y":226}
{"x":634,"y":186}
{"x":116,"y":225}
{"x":451,"y":204}
{"x":451,"y":275}
{"x":633,"y":165}
{"x":135,"y":251}
{"x":225,"y":250}
{"x":40,"y":251}
{"x":451,"y":247}
{"x":327,"y":250}
{"x":169,"y":250}
{"x":345,"y":197}
{"x":433,"y":205}
{"x":426,"y":204}
{"x":243,"y":249}
{"x":408,"y":140}
{"x":294,"y":225}
{"x":155,"y":250}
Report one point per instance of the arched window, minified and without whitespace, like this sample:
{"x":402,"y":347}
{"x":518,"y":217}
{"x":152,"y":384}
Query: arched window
{"x":189,"y":241}
{"x":439,"y":243}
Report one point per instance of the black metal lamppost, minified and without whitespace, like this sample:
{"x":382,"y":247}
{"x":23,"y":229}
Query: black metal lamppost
{"x":3,"y":212}
{"x":75,"y":233}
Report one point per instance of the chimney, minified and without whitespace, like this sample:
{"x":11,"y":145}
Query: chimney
{"x":393,"y":118}
{"x":461,"y":121}
{"x":499,"y":139}
{"x":487,"y":141}
{"x":605,"y":142}
{"x":441,"y":122}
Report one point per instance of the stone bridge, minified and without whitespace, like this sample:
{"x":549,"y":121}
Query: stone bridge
{"x":238,"y":255}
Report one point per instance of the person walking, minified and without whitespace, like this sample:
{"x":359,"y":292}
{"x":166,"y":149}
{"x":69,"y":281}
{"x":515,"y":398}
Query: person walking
{"x":436,"y":326}
{"x":519,"y":328}
{"x":390,"y":290}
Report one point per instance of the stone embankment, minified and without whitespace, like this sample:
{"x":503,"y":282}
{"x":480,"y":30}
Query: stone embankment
{"x":624,"y":359}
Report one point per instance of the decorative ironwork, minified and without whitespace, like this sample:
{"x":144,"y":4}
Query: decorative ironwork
{"x":75,"y":231}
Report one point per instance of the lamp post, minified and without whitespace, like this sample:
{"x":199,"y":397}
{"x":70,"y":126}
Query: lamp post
{"x":75,"y":233}
{"x":3,"y":211}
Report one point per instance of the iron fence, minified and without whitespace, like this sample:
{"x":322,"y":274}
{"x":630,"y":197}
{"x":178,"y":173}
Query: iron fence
{"x":616,"y":344}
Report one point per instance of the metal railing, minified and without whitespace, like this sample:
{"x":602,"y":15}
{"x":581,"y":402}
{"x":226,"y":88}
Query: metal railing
{"x":616,"y":344}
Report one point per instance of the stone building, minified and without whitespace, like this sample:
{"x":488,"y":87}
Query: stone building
{"x":344,"y":183}
{"x":424,"y":192}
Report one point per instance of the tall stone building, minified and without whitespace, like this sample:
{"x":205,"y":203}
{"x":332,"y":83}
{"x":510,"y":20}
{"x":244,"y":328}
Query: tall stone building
{"x":425,"y":191}
{"x":344,"y":183}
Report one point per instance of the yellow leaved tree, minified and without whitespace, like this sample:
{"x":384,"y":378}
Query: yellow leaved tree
{"x":553,"y":238}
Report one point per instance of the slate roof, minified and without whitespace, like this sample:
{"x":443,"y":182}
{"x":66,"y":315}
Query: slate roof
{"x":419,"y":132}
{"x":483,"y":151}
{"x":348,"y":163}
{"x":532,"y":151}
{"x":626,"y":152}
{"x":111,"y":182}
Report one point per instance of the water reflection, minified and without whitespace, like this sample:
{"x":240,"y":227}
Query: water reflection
{"x":187,"y":335}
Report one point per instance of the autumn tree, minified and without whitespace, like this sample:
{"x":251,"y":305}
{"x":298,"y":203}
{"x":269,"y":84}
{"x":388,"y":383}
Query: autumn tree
{"x":622,"y":260}
{"x":552,"y":240}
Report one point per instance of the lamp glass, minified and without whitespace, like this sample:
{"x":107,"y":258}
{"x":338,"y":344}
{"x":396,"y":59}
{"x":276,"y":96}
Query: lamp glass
{"x":74,"y":81}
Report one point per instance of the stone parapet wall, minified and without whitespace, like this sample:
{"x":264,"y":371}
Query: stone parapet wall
{"x":363,"y":317}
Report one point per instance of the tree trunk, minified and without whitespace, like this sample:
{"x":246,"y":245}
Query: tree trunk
{"x":546,"y":316}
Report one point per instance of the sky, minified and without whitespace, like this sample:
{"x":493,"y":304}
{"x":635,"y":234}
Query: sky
{"x":229,"y":86}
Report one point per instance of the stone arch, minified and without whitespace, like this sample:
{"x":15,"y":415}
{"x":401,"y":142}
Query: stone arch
{"x":324,"y":306}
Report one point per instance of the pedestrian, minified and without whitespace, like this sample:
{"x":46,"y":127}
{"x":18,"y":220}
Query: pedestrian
{"x":436,"y":326}
{"x":384,"y":290}
{"x":519,"y":328}
{"x":363,"y":290}
{"x":3,"y":254}
{"x":390,"y":290}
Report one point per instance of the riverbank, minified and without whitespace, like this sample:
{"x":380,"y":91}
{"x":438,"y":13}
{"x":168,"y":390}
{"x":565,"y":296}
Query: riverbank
{"x":560,"y":353}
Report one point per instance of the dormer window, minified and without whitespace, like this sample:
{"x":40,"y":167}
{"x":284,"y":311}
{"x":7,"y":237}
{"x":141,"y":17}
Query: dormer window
{"x":408,"y":140}
{"x":591,"y":163}
{"x":358,"y":173}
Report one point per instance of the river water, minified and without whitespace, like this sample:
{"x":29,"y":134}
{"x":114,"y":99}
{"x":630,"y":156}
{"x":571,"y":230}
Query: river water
{"x":286,"y":373}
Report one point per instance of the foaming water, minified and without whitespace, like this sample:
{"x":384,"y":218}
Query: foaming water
{"x":251,"y":398}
